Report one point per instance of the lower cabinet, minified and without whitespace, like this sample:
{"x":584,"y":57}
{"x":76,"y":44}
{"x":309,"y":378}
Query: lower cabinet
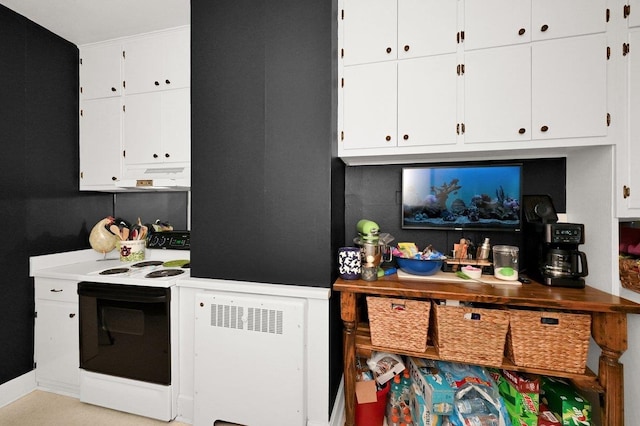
{"x":56,"y":335}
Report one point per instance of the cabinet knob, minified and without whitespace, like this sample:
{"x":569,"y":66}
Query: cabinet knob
{"x":544,"y":128}
{"x":167,"y":82}
{"x":113,"y":178}
{"x":388,"y":138}
{"x":405,"y":137}
{"x":406,"y":48}
{"x":113,"y":89}
{"x":388,"y":50}
{"x":522,"y":131}
{"x":544,"y":28}
{"x":522,"y":31}
{"x":155,"y":155}
{"x":156,"y":83}
{"x":72,"y":315}
{"x":166,"y":155}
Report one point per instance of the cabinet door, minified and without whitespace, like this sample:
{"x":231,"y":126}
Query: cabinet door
{"x":370,"y":106}
{"x":491,"y":23}
{"x":634,"y":18}
{"x":427,"y":100}
{"x":157,"y":62}
{"x":157,"y":127}
{"x":56,"y":344}
{"x":497,"y":94}
{"x":427,"y":27}
{"x":369,"y":31}
{"x":553,"y":18}
{"x":569,"y":83}
{"x":633,"y":181}
{"x":100,"y":133}
{"x":100,"y":71}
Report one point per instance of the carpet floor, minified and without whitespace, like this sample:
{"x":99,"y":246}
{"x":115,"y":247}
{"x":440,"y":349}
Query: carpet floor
{"x":40,"y":408}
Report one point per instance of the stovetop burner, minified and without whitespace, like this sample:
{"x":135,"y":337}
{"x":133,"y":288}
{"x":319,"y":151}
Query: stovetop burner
{"x":164,"y":273}
{"x":114,"y":271}
{"x":146,"y":263}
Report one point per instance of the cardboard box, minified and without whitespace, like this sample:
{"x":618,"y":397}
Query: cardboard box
{"x":563,"y":399}
{"x":546,"y":417}
{"x":521,"y":419}
{"x":522,"y":403}
{"x":524,"y":383}
{"x":437,"y":393}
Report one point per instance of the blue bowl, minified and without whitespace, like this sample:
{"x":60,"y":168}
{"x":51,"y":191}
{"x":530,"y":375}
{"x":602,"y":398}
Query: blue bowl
{"x":419,"y":267}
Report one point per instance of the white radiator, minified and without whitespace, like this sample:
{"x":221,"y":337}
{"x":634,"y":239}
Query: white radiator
{"x":249,"y":360}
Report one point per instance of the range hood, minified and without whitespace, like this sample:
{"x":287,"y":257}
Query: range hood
{"x":157,"y":179}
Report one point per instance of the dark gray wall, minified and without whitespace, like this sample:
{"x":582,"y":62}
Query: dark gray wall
{"x":268,"y":191}
{"x":41,"y":208}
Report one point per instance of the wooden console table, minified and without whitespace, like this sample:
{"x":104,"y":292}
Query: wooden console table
{"x":608,"y":328}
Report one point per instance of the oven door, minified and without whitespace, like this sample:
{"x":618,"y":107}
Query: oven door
{"x":124,"y":331}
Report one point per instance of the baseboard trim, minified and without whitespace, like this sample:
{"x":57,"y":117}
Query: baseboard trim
{"x":17,"y":388}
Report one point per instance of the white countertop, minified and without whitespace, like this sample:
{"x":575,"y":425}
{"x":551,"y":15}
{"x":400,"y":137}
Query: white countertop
{"x":84,"y":265}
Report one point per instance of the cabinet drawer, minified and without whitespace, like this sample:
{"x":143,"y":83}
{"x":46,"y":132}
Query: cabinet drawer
{"x":60,"y":290}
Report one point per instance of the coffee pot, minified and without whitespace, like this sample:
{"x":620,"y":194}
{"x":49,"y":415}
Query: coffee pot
{"x":562,"y":263}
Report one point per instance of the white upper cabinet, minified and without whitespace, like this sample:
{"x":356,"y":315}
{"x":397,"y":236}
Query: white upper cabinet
{"x":372,"y":39}
{"x":565,"y":18}
{"x":426,"y":27}
{"x":100,"y":75}
{"x":492,"y":23}
{"x":497,"y":87}
{"x":100,"y":129}
{"x":569,"y":90}
{"x":157,"y":62}
{"x":632,"y":12}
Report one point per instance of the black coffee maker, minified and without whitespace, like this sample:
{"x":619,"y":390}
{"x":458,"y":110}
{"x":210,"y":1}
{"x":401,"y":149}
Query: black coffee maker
{"x":551,"y":247}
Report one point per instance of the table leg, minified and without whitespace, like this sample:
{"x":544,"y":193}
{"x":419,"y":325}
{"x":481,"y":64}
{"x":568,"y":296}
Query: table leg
{"x":348,"y":314}
{"x":609,"y":330}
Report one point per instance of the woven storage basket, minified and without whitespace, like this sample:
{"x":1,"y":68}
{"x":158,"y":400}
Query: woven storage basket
{"x":470,"y":335}
{"x":399,"y":323}
{"x":629,"y":273}
{"x":549,"y":340}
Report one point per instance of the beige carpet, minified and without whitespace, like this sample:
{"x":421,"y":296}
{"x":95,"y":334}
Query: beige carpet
{"x":41,"y":408}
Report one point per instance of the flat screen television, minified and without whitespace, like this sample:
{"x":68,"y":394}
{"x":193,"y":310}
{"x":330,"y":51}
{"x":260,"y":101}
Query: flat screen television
{"x":459,"y":197}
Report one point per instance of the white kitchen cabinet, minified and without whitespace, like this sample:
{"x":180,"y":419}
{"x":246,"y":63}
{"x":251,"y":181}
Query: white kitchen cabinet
{"x":370,"y":106}
{"x":497,"y":103}
{"x":628,"y":171}
{"x":159,"y":61}
{"x":632,"y":11}
{"x":493,"y":23}
{"x":569,"y":88}
{"x":566,"y":18}
{"x":56,"y":335}
{"x":100,"y":72}
{"x":157,"y":128}
{"x":100,"y":150}
{"x":385,"y":30}
{"x":409,"y":103}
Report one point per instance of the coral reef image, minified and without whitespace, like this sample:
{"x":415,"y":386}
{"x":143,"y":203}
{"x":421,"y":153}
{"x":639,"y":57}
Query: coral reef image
{"x":461,"y":197}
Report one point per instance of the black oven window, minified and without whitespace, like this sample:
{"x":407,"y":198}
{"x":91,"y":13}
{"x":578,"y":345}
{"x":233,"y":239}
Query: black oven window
{"x":125,"y":331}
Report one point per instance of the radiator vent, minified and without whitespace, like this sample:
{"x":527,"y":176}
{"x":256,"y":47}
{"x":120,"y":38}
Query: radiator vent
{"x":258,"y":319}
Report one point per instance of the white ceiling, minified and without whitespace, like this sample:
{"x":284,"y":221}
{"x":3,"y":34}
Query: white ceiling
{"x":89,"y":21}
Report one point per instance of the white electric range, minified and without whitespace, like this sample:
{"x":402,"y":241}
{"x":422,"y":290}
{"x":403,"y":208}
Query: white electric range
{"x":123,"y":308}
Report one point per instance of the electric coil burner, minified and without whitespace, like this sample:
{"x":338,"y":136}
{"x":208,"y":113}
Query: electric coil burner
{"x":147,"y":263}
{"x":162,"y":273}
{"x":114,"y":271}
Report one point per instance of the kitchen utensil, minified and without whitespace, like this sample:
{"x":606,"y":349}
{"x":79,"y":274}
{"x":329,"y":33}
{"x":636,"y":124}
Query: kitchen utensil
{"x":419,"y":266}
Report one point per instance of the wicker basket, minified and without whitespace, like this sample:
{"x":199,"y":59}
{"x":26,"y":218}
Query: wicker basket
{"x":399,"y":323}
{"x":549,"y":340}
{"x":629,"y":273}
{"x":470,"y":335}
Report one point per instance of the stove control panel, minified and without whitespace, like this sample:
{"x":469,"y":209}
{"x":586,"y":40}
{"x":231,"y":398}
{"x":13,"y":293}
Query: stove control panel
{"x":173,"y":240}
